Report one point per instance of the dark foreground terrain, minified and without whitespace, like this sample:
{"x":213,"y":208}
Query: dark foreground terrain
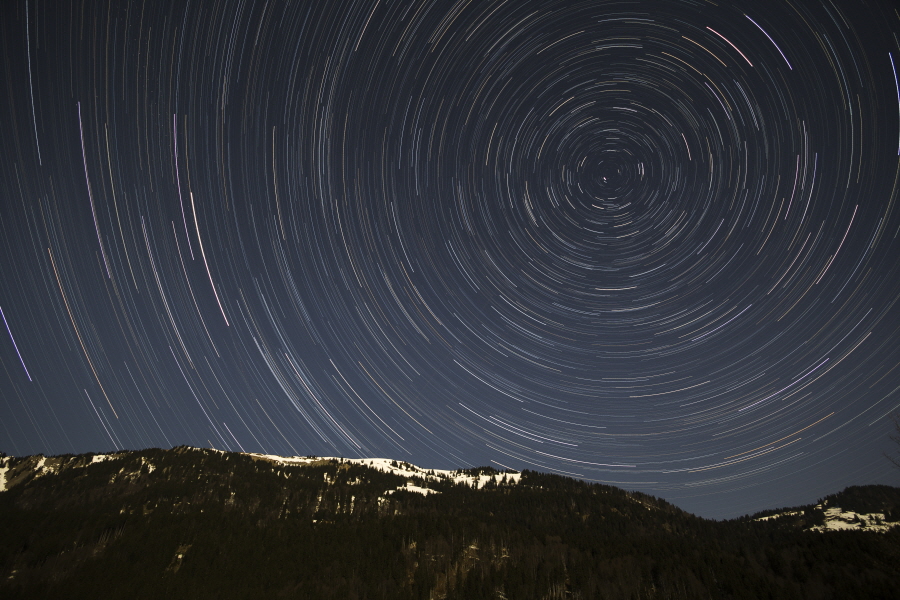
{"x":191,"y":523}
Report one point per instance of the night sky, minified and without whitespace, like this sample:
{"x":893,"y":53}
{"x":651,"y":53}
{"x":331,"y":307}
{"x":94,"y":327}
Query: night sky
{"x":649,"y":244}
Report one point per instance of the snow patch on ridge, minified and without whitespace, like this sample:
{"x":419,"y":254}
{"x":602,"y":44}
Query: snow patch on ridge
{"x":404,"y":469}
{"x":784,"y":514}
{"x":409,"y":487}
{"x":838,"y":520}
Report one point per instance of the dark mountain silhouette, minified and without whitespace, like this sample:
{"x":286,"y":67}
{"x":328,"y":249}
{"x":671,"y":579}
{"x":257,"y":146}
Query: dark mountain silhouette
{"x":192,"y":523}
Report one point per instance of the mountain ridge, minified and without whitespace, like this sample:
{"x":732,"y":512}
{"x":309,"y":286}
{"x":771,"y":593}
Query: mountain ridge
{"x":857,"y":500}
{"x":198,"y":523}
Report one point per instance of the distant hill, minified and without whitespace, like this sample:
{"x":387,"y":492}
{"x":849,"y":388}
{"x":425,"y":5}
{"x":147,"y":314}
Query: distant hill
{"x":865,"y":508}
{"x":193,"y":523}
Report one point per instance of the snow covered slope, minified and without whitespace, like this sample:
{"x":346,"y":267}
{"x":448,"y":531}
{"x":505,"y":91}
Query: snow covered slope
{"x":837,"y":519}
{"x":476,"y":478}
{"x":403,"y":469}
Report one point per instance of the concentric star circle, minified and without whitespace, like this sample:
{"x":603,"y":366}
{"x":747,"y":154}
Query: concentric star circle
{"x":652,"y":244}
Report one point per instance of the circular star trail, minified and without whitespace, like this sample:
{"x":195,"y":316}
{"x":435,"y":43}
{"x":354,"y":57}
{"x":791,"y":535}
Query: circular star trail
{"x":652,"y":244}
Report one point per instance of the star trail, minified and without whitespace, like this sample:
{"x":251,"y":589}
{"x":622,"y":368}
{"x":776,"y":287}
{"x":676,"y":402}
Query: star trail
{"x":646,"y":243}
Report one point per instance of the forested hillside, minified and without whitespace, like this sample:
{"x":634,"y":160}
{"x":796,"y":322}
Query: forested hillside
{"x":191,"y":523}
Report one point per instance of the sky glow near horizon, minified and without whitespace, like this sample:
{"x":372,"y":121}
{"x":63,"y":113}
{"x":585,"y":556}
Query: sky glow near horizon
{"x":650,"y":244}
